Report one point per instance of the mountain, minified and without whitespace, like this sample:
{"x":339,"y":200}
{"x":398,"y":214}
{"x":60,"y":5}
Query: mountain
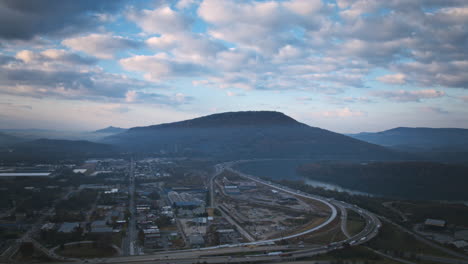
{"x":33,"y":134}
{"x":252,"y":134}
{"x":111,"y":130}
{"x":53,"y":150}
{"x":6,"y":140}
{"x":418,"y":138}
{"x":403,"y":180}
{"x":439,"y":144}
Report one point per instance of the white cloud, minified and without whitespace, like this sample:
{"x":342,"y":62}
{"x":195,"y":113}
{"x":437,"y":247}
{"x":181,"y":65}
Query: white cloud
{"x":53,"y":56}
{"x":398,"y":78}
{"x":160,"y":20}
{"x":193,"y":47}
{"x":409,"y":96}
{"x":160,"y":66}
{"x":434,"y":110}
{"x":263,"y":26}
{"x":182,"y":4}
{"x":104,"y":46}
{"x":342,"y":113}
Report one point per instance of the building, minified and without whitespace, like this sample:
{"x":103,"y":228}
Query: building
{"x":227,"y":236}
{"x":69,"y":227}
{"x":196,"y":240}
{"x":231,"y":189}
{"x":247,"y":185}
{"x":460,"y":244}
{"x":184,"y":200}
{"x":434,"y":223}
{"x":151,"y":237}
{"x":461,"y":235}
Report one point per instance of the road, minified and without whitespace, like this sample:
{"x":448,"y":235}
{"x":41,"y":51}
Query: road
{"x":129,"y":243}
{"x":27,"y":237}
{"x":344,"y":220}
{"x":202,"y":255}
{"x":426,"y":241}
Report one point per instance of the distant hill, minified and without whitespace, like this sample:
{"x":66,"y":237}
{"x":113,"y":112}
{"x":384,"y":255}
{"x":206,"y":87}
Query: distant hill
{"x":33,"y":134}
{"x":252,"y":134}
{"x":419,"y":137}
{"x":111,"y":130}
{"x":442,"y":144}
{"x":53,"y":150}
{"x":6,"y":140}
{"x":407,"y":180}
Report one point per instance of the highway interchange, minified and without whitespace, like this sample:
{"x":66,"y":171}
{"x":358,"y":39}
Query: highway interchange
{"x":271,"y":252}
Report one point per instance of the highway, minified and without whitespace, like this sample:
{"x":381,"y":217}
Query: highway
{"x":129,"y":243}
{"x":212,"y":254}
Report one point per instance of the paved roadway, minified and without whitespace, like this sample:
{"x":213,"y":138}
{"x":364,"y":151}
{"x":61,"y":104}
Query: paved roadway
{"x":27,"y":237}
{"x":129,"y":243}
{"x":200,"y":255}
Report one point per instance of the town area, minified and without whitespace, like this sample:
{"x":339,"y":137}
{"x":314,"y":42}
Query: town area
{"x":161,"y":208}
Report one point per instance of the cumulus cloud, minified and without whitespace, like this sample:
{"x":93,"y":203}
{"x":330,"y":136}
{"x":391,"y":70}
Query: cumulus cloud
{"x":186,"y":3}
{"x":434,"y":110}
{"x":187,"y":46}
{"x":53,"y":56}
{"x":263,"y":26}
{"x":160,"y":66}
{"x":343,"y":112}
{"x":24,"y":19}
{"x":398,"y":78}
{"x":103,"y":46}
{"x":297,"y":44}
{"x":161,"y":20}
{"x":65,"y":75}
{"x":409,"y":96}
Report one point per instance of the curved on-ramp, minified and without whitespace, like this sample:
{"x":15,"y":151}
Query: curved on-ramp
{"x":332,"y":217}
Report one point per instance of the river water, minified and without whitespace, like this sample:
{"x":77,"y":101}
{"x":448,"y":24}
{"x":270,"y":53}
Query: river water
{"x":287,"y":170}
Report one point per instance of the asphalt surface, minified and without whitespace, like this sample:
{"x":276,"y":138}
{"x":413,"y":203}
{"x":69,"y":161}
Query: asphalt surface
{"x":271,"y":251}
{"x":129,"y":243}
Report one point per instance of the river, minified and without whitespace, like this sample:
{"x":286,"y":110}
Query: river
{"x":287,"y":170}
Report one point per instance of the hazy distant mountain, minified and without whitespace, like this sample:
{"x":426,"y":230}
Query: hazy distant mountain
{"x":440,"y":144}
{"x":111,"y":130}
{"x":6,"y":139}
{"x":419,"y":138}
{"x":52,"y":150}
{"x":247,"y":135}
{"x":33,"y":134}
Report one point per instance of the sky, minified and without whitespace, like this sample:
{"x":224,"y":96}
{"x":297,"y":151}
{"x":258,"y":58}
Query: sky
{"x":346,"y":65}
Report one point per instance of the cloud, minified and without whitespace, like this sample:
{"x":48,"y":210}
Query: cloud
{"x":409,"y":96}
{"x":160,"y":66}
{"x":434,"y":110}
{"x":182,"y":4}
{"x":16,"y":106}
{"x":104,"y":46}
{"x":160,"y":20}
{"x":343,"y":112}
{"x":232,"y":94}
{"x":23,"y":19}
{"x":398,"y":78}
{"x":263,"y":26}
{"x":193,"y":47}
{"x":64,"y":75}
{"x":53,"y":56}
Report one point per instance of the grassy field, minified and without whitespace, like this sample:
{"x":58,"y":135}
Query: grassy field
{"x":86,"y":251}
{"x":417,"y":212}
{"x":356,"y":254}
{"x":355,"y":223}
{"x":392,"y":239}
{"x":330,"y":233}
